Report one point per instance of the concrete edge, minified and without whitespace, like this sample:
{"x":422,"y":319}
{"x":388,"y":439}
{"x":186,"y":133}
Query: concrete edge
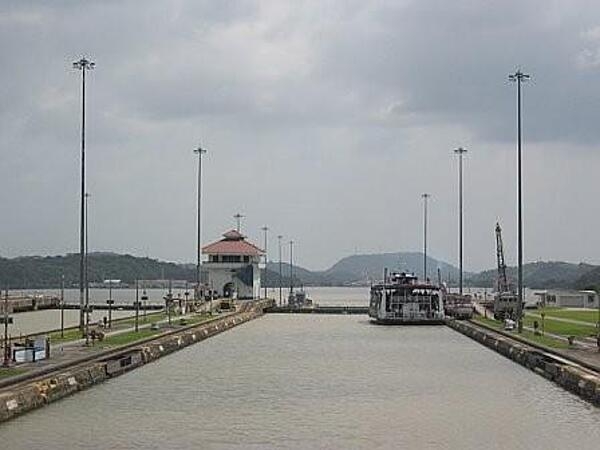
{"x":580,"y":381}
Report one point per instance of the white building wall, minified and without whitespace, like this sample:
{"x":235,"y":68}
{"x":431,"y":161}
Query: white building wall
{"x":220,"y":274}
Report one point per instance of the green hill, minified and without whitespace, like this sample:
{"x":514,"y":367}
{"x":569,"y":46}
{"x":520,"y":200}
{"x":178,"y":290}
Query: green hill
{"x":541,"y":275}
{"x":29,"y":272}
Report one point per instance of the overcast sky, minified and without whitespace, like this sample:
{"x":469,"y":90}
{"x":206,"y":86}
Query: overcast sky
{"x":324,"y":120}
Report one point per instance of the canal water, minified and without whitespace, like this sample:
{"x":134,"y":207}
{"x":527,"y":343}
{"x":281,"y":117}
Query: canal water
{"x":44,"y":320}
{"x":316,"y":381}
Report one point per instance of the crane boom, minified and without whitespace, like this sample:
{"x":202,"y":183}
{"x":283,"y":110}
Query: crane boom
{"x":502,"y":279}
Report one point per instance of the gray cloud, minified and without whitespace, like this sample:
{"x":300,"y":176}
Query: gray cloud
{"x":325,"y":120}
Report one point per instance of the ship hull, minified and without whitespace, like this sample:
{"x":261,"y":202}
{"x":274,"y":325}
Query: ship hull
{"x":380,"y":321}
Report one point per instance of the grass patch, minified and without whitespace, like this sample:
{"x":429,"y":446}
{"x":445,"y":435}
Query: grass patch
{"x":561,"y":328}
{"x":489,"y":322}
{"x":129,"y":337}
{"x":590,"y":316}
{"x":544,"y":340}
{"x":69,"y":335}
{"x":526,"y":334}
{"x":6,"y":372}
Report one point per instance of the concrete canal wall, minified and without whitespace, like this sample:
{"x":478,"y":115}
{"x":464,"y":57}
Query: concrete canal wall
{"x":28,"y":396}
{"x":566,"y":374}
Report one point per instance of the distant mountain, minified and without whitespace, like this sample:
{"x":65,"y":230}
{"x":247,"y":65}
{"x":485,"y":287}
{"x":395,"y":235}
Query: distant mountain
{"x":28,"y":272}
{"x":46,"y":271}
{"x":590,"y":279}
{"x":361,"y":270}
{"x":542,"y":275}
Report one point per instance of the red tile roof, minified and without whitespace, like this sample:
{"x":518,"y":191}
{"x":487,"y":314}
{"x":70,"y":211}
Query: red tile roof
{"x":233,"y":243}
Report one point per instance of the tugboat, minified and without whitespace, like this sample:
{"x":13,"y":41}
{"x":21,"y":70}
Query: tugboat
{"x":299,"y":299}
{"x":402,"y":300}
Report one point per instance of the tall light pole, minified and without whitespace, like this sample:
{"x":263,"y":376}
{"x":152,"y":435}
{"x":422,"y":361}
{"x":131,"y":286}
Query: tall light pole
{"x":199,"y":151}
{"x":84,"y":65}
{"x":86,"y":260}
{"x":266,"y":230}
{"x":280,"y":273}
{"x":460,"y":152}
{"x":425,"y":198}
{"x":519,"y":77}
{"x":87,"y":309}
{"x":238,"y":219}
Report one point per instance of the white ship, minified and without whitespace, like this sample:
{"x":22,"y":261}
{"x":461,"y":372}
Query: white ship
{"x":402,"y":299}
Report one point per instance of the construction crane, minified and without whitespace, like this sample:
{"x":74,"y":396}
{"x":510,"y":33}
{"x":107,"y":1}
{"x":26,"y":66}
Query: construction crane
{"x":502,"y":279}
{"x":505,"y":301}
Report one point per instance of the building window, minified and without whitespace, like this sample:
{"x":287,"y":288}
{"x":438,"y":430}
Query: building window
{"x":590,"y":298}
{"x":232,"y":258}
{"x":246,"y":259}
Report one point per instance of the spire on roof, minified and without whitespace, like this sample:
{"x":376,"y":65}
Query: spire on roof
{"x":234,"y":235}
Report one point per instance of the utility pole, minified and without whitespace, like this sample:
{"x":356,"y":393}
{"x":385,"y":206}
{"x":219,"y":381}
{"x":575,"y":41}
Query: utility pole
{"x":84,"y":65}
{"x":280,"y":273}
{"x":169,"y":300}
{"x":266,"y":230}
{"x":291,"y":267}
{"x":238,"y":218}
{"x":460,"y":152}
{"x":519,"y":77}
{"x":6,"y":320}
{"x":62,"y":306}
{"x":425,"y":198}
{"x":110,"y":302}
{"x":186,"y":294}
{"x":199,"y":151}
{"x":137,"y":305}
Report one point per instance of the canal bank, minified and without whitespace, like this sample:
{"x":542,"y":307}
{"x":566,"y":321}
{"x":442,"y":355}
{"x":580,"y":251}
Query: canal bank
{"x":29,"y":393}
{"x":298,"y":381}
{"x":565,"y":372}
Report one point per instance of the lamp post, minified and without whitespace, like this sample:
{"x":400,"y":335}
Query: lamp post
{"x":291,"y":267}
{"x":6,"y":320}
{"x":144,"y":300}
{"x":425,"y":198}
{"x":137,"y":305}
{"x":84,"y":65}
{"x":168,"y":301}
{"x":266,"y":230}
{"x":199,"y":151}
{"x":280,"y":272}
{"x":62,"y":306}
{"x":110,"y":302}
{"x":519,"y":77}
{"x":238,"y":219}
{"x":460,"y":152}
{"x":186,"y":294}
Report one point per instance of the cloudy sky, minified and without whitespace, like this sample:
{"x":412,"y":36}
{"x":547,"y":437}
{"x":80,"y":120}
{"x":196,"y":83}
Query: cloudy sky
{"x":324,"y":120}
